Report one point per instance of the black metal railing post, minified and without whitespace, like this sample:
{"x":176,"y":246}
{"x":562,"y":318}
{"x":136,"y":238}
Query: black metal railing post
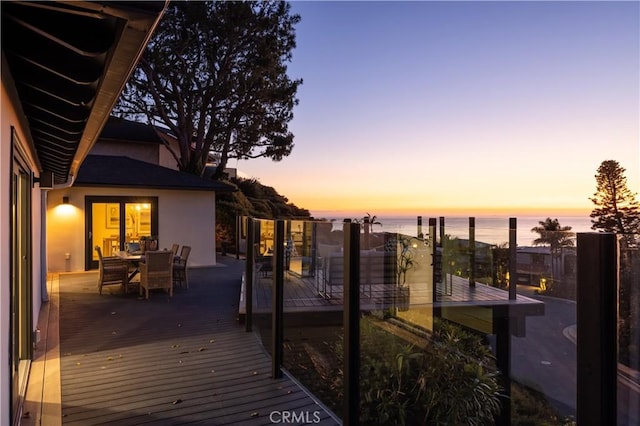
{"x":390,"y":275}
{"x":472,"y":252}
{"x":513,"y":257}
{"x":249,"y":268}
{"x":277,"y":316}
{"x":351,"y":324}
{"x":436,"y":262}
{"x":597,"y":316}
{"x":502,"y":331}
{"x":238,"y":235}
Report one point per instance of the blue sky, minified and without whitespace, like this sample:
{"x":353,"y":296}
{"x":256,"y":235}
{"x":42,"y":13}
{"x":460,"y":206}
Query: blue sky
{"x":471,"y":107}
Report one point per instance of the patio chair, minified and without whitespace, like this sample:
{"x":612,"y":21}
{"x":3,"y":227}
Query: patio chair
{"x":113,"y":270}
{"x":156,"y":272}
{"x":180,"y":267}
{"x":322,"y":264}
{"x":264,"y":263}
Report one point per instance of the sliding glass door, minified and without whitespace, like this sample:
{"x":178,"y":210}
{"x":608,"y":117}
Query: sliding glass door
{"x":113,"y":222}
{"x":21,"y":324}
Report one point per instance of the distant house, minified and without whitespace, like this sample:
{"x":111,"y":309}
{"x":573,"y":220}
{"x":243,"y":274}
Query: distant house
{"x":64,"y":65}
{"x":129,"y":188}
{"x":535,"y":264}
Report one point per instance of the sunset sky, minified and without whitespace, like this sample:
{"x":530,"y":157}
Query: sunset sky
{"x":457,"y":107}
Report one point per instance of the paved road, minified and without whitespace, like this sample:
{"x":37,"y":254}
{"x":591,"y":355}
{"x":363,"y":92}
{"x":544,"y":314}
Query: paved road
{"x":546,"y":360}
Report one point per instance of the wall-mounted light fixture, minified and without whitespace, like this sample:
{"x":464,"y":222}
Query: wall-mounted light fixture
{"x":45,"y":180}
{"x":65,"y":200}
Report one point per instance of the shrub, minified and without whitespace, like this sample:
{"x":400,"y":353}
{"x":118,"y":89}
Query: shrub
{"x":449,"y":381}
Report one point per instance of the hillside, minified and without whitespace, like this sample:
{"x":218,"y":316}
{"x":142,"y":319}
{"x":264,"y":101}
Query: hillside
{"x":252,"y":199}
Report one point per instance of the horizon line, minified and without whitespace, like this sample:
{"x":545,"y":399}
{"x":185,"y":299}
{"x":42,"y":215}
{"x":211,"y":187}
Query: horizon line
{"x":484,"y":213}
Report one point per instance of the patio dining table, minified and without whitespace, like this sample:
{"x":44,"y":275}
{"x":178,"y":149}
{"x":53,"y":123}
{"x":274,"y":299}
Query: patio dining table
{"x":133,"y":259}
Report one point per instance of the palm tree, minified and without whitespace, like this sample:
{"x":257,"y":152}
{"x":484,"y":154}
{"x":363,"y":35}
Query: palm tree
{"x":367,"y":223}
{"x":555,"y":236}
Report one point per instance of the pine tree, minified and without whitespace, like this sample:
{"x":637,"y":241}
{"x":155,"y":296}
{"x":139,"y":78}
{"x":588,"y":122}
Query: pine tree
{"x":616,"y":207}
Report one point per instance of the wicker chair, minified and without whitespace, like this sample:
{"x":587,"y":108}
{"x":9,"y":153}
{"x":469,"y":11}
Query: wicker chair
{"x":174,"y":248}
{"x":156,"y":272}
{"x":113,"y":270}
{"x":180,"y":267}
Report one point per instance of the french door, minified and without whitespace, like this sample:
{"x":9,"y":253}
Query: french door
{"x":114,"y":222}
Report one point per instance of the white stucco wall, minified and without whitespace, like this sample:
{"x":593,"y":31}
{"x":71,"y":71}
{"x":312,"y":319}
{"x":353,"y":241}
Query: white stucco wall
{"x":9,"y":118}
{"x":184,"y":217}
{"x":166,"y":158}
{"x":147,"y":152}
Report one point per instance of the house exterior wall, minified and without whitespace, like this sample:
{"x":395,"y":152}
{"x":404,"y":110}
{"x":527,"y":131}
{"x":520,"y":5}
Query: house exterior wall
{"x":146,"y":152}
{"x":165,"y":158}
{"x":149,"y":152}
{"x":184,"y":217}
{"x":10,"y":117}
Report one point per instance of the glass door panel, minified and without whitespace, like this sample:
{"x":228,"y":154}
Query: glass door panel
{"x":105,"y":228}
{"x":137,"y":222}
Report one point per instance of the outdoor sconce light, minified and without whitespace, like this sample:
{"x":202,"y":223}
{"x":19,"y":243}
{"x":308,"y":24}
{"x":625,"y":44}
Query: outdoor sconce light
{"x":543,"y":284}
{"x":65,"y":200}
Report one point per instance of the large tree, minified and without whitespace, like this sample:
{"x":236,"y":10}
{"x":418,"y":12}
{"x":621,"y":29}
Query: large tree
{"x":215,"y":74}
{"x":616,"y":207}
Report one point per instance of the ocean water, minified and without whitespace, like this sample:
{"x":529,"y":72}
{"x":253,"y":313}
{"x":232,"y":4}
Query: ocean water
{"x":492,"y":230}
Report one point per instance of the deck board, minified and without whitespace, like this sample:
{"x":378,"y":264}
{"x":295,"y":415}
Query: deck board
{"x":167,"y":361}
{"x":302,"y":294}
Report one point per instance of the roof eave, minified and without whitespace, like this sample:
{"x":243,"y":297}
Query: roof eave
{"x":134,"y":38}
{"x":159,"y":187}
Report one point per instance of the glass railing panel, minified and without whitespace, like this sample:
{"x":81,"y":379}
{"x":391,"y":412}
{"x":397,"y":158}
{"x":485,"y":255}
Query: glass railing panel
{"x":384,"y":346}
{"x":264,"y":238}
{"x":265,"y":235}
{"x":409,"y":339}
{"x":313,"y":309}
{"x":300,"y":242}
{"x":491,"y":255}
{"x":457,"y":281}
{"x":629,"y":331}
{"x":412,"y":361}
{"x":414,"y":289}
{"x":543,"y":342}
{"x":549,"y":264}
{"x":492,"y":231}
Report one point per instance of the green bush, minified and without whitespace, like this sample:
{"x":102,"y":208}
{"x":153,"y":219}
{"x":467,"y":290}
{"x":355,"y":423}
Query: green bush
{"x":449,"y":381}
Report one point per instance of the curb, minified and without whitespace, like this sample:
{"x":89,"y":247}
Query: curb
{"x":628,"y":375}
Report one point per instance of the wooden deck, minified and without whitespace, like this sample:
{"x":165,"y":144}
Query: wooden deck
{"x":307,"y":294}
{"x":482,"y":308}
{"x":168,"y":361}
